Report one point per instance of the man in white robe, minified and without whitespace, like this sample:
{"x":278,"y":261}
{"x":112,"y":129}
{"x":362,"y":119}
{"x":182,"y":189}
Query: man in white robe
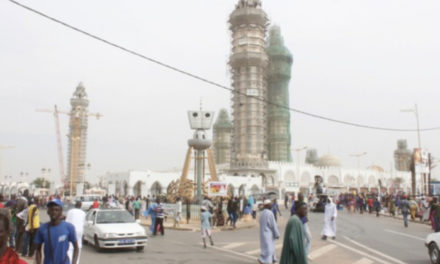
{"x":268,"y":233}
{"x":77,"y":218}
{"x":330,"y":215}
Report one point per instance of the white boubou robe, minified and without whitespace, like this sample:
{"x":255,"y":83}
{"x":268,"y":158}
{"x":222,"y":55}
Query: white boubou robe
{"x":268,"y":233}
{"x":329,"y":229}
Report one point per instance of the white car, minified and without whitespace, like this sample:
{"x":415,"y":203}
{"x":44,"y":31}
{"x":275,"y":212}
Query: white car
{"x":113,"y":228}
{"x":432,"y":243}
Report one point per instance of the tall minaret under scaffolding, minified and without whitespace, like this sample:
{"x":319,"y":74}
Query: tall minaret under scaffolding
{"x":248,"y":63}
{"x":278,"y":114}
{"x":76,"y":155}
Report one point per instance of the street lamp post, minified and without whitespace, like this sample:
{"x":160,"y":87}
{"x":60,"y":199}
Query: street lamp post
{"x":298,"y":150}
{"x":415,"y":110}
{"x":358,"y":156}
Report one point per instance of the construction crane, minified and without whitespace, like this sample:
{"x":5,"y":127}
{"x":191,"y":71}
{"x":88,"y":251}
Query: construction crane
{"x":2,"y":148}
{"x":55,"y":113}
{"x":75,"y":143}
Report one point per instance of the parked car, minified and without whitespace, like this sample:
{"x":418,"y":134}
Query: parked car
{"x":432,"y":243}
{"x":86,"y":200}
{"x":113,"y":228}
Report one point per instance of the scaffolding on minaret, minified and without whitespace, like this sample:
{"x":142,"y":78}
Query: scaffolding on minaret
{"x":76,"y":155}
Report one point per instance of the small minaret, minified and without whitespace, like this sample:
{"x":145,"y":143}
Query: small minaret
{"x":76,"y":155}
{"x":248,"y":63}
{"x":222,"y":138}
{"x":278,"y":77}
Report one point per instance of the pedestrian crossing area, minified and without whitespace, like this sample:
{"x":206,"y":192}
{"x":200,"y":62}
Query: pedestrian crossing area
{"x":320,"y":252}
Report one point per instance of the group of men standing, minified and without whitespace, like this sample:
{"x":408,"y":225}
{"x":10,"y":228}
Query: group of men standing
{"x":297,"y":236}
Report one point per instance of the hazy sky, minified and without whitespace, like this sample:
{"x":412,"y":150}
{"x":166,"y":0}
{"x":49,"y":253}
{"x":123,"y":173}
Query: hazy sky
{"x":359,"y":61}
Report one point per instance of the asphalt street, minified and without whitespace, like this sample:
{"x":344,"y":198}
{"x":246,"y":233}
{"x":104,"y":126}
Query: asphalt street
{"x":361,"y":239}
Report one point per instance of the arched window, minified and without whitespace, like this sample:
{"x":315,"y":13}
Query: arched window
{"x":156,"y":188}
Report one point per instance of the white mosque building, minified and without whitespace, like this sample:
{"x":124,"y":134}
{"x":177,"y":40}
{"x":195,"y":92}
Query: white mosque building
{"x":288,"y":178}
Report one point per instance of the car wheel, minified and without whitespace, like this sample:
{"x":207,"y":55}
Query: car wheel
{"x":97,"y":247}
{"x":434,"y":253}
{"x":139,"y":248}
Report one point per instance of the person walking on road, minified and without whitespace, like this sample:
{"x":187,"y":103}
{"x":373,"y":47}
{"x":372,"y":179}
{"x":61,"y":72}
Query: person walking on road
{"x":234,"y":209}
{"x":376,"y":205}
{"x":404,"y":208}
{"x":56,"y":236}
{"x":275,"y":209}
{"x":7,"y":254}
{"x":413,"y":208}
{"x":392,"y":207}
{"x":330,"y":215}
{"x":295,"y":242}
{"x":178,"y":212}
{"x":137,"y":207}
{"x":268,"y":234}
{"x":77,"y":218}
{"x":21,"y":205}
{"x":33,"y":224}
{"x":152,"y":213}
{"x":205,"y":218}
{"x":160,"y":214}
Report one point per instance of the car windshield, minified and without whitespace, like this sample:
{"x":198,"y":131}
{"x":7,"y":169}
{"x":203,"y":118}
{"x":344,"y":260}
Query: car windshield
{"x":113,"y":216}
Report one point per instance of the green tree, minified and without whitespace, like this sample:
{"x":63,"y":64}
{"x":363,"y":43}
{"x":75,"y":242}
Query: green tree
{"x":41,"y":183}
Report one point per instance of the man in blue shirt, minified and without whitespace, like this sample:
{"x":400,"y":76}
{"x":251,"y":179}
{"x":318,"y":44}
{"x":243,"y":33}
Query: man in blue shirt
{"x":205,"y":217}
{"x":56,"y":236}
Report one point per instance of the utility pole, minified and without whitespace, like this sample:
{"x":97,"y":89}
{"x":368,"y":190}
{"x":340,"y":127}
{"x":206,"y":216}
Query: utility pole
{"x":298,"y":171}
{"x":358,"y":156}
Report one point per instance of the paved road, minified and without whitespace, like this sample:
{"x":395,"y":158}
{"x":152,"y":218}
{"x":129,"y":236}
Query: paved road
{"x":361,"y":239}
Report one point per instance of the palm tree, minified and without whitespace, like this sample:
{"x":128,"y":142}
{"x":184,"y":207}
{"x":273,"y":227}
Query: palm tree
{"x":41,"y":183}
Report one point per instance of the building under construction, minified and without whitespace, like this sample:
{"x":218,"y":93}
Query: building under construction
{"x":278,"y":114}
{"x":260,"y":73}
{"x":76,"y":154}
{"x":248,"y":64}
{"x":222,"y":138}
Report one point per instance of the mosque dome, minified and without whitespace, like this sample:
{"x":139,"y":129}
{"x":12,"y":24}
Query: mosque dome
{"x":328,"y":161}
{"x":375,"y":168}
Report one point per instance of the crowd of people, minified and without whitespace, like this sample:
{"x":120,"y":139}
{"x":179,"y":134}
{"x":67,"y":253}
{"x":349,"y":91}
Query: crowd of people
{"x":22,"y":234}
{"x":417,"y":208}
